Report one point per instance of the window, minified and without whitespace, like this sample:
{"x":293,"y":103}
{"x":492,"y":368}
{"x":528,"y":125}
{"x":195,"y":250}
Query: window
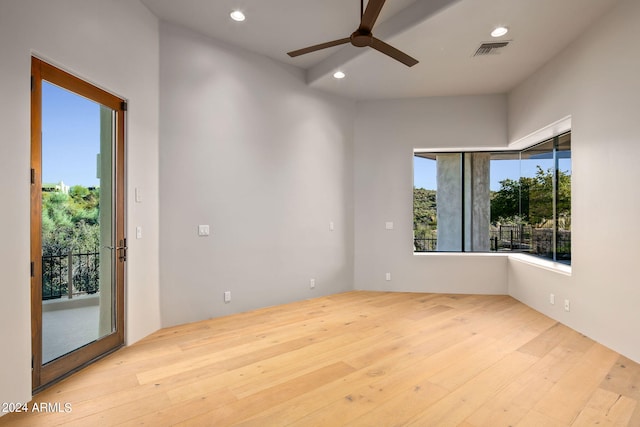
{"x":512,"y":201}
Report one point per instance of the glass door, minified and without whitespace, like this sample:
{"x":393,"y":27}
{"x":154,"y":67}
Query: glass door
{"x":78,"y":245}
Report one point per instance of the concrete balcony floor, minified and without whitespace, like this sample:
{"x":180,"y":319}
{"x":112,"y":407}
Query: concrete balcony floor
{"x":68,"y":324}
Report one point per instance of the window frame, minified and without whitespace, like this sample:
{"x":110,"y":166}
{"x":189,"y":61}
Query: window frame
{"x":517,"y":149}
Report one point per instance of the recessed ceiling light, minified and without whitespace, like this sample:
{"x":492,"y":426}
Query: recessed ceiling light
{"x":236,"y":15}
{"x":339,"y":75}
{"x":499,"y":31}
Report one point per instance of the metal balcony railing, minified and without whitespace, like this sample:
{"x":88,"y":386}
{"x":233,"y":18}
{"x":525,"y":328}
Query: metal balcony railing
{"x":516,"y":239}
{"x":70,"y":274}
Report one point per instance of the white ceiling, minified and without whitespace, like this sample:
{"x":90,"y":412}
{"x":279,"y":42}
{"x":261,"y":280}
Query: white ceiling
{"x":442,"y":34}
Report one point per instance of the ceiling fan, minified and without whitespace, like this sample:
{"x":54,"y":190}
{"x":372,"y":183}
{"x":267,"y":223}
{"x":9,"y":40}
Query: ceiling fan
{"x":363,"y":37}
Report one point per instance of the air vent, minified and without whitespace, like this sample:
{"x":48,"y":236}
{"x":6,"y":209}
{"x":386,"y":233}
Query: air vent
{"x":491,"y":48}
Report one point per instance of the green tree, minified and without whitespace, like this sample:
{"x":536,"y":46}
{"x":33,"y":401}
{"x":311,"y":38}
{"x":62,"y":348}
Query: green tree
{"x":424,"y":213}
{"x":541,"y":196}
{"x":70,"y":224}
{"x":70,"y":221}
{"x":511,"y":201}
{"x":531,"y":199}
{"x":563,"y":203}
{"x":424,"y":207}
{"x":83,"y":206}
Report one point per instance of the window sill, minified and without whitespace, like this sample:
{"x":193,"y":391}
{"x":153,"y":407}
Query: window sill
{"x":556,"y":267}
{"x":461,"y":254}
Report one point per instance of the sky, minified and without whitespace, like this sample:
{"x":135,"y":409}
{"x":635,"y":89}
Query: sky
{"x":70,"y":137}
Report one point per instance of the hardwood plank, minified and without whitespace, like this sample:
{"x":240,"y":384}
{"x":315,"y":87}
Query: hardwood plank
{"x":366,"y":395}
{"x":454,"y":408}
{"x":568,"y":396}
{"x":606,"y":408}
{"x":262,"y":375}
{"x":623,"y":378}
{"x":375,"y":384}
{"x":357,"y":358}
{"x":175,"y":413}
{"x":244,"y":408}
{"x":538,"y":419}
{"x":517,"y":399}
{"x":557,"y":334}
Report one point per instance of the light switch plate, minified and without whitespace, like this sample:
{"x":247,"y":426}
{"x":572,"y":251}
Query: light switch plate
{"x":388,"y":225}
{"x":138,"y":232}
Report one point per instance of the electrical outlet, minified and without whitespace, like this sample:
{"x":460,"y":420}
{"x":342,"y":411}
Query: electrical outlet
{"x":312,"y":283}
{"x":566,"y":305}
{"x":331,"y":226}
{"x":388,"y":276}
{"x":227,"y":296}
{"x":203,"y":230}
{"x":388,"y":225}
{"x":552,"y":299}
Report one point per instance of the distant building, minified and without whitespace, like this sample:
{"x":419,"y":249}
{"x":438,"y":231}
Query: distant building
{"x":56,"y":188}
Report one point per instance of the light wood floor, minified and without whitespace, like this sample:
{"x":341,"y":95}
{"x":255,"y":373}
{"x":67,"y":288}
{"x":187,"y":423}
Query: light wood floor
{"x":357,"y":359}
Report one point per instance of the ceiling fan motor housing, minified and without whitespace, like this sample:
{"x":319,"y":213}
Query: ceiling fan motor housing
{"x":361,"y":39}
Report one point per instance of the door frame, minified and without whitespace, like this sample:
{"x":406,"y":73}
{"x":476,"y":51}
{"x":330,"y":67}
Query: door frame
{"x":44,"y":375}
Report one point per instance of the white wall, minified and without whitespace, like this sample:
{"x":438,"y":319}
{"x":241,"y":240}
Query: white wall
{"x":596,"y":81}
{"x":247,"y":148}
{"x":114,"y":45}
{"x":386,"y":133}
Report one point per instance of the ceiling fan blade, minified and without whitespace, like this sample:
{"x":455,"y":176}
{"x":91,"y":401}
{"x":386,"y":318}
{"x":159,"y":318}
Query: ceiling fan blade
{"x":321,"y":46}
{"x":370,"y":15}
{"x":391,"y":51}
